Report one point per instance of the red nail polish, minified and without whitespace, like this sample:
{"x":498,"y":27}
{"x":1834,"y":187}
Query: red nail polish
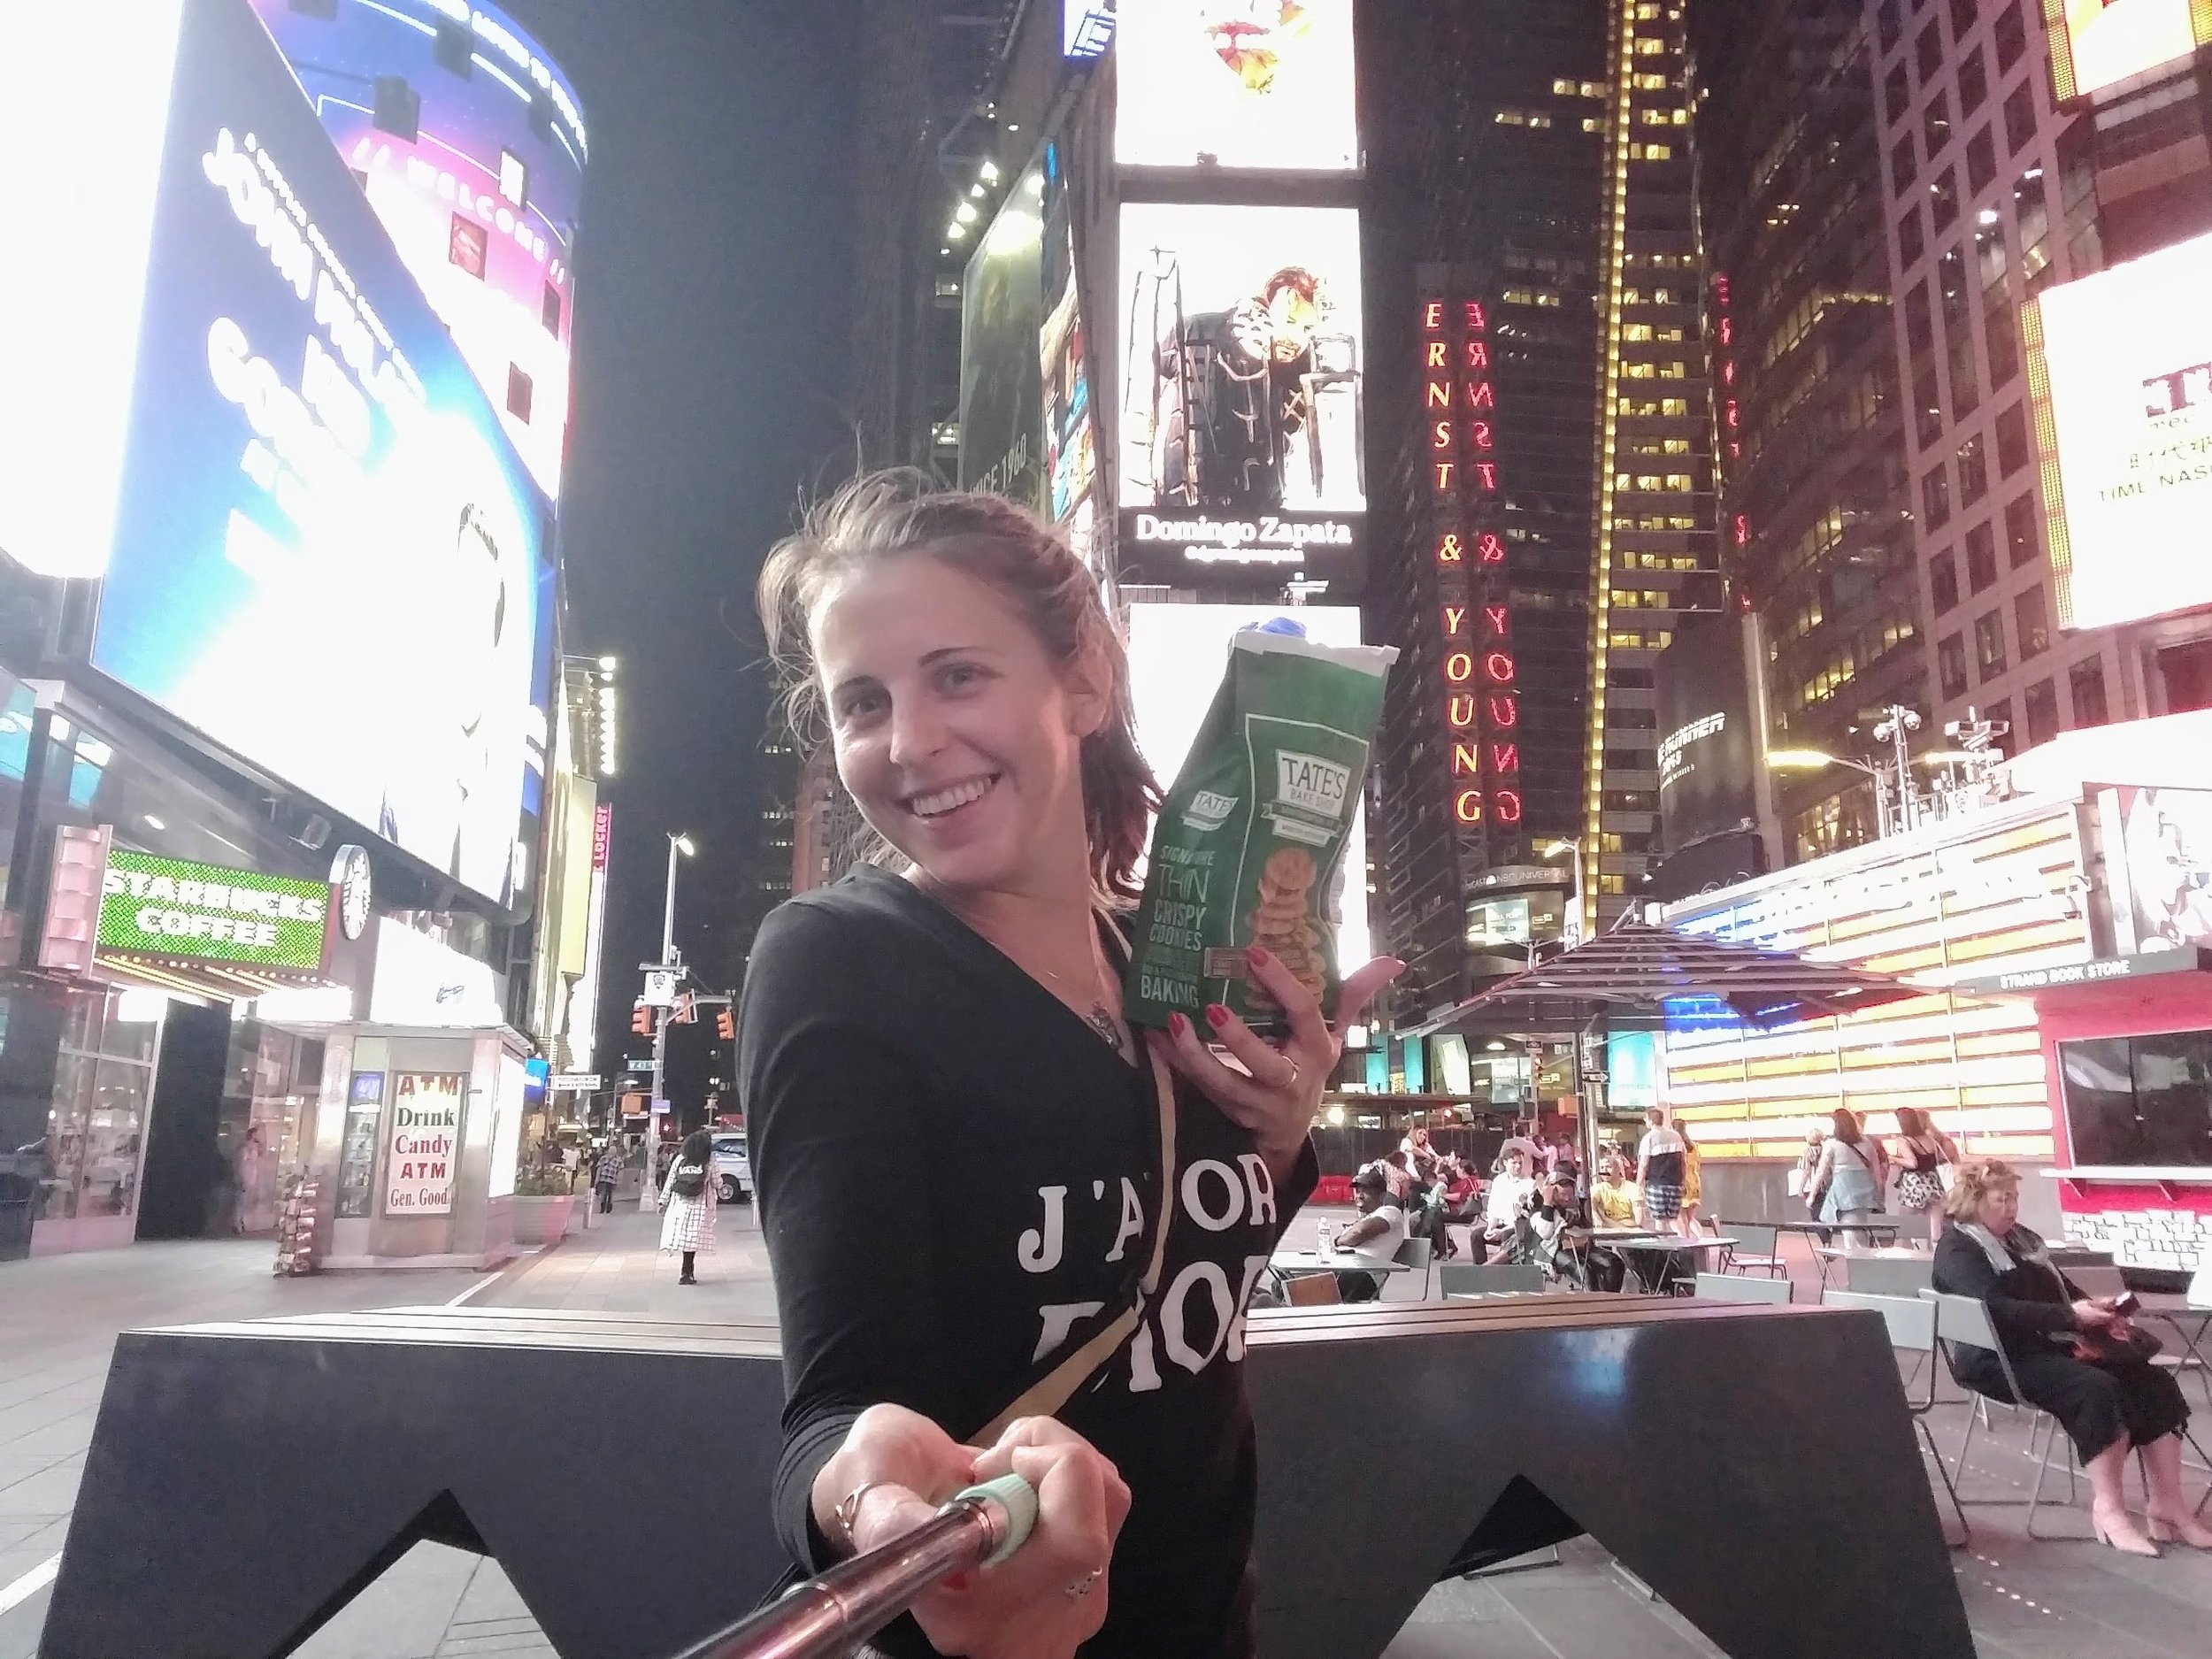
{"x":1216,"y":1016}
{"x":1177,"y":1025}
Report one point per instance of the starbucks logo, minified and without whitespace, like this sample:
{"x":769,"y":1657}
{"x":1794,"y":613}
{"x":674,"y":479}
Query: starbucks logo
{"x":350,"y":874}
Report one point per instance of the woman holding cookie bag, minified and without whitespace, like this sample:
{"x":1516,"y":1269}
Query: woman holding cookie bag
{"x":1040,"y":1290}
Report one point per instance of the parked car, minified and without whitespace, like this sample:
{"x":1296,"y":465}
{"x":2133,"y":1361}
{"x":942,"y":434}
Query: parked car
{"x":733,"y":1164}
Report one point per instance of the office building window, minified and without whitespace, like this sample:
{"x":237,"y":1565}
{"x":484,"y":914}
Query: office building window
{"x":1989,"y":645}
{"x":2012,"y":440}
{"x":1935,"y":124}
{"x":1981,"y":559}
{"x":2002,"y":328}
{"x":1973,"y":472}
{"x":1981,"y":161}
{"x":1889,"y":26}
{"x":2031,"y":209}
{"x":1896,"y":92}
{"x":1943,"y":200}
{"x":1962,"y":18}
{"x":1903,"y":164}
{"x":1908,"y":237}
{"x":2084,"y":683}
{"x":1928,"y":49}
{"x":1935,"y":497}
{"x":2020,"y":117}
{"x":1999,"y":714}
{"x":1919,"y":319}
{"x":1990,"y":256}
{"x":2031,"y":623}
{"x":1951,"y":664}
{"x":1973,"y":82}
{"x":2040,"y":706}
{"x":1943,"y":582}
{"x":2020,"y":544}
{"x":2011,"y":35}
{"x":1927,"y":410}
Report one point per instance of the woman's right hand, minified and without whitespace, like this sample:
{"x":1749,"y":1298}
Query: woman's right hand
{"x":1021,"y":1609}
{"x":2091,"y":1316}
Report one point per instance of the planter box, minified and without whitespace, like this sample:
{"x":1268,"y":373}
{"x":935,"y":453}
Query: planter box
{"x":540,"y":1221}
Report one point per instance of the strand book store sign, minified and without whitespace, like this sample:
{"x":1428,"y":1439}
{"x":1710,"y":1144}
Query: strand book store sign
{"x":424,"y":1142}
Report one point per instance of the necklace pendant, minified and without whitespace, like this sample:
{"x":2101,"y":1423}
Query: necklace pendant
{"x":1102,"y":1022}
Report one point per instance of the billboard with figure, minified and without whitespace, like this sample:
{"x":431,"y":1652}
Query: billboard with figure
{"x":2161,"y":878}
{"x":315,"y":544}
{"x":1242,"y":387}
{"x":1002,"y":311}
{"x":2099,"y":43}
{"x":470,"y":144}
{"x":1260,"y":85}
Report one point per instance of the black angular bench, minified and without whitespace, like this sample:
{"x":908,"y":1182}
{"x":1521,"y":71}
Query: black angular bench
{"x":1754,"y":1465}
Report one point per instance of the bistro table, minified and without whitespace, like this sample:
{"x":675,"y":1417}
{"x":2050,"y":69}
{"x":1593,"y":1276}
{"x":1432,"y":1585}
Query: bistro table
{"x":1670,"y":1247}
{"x":2175,"y":1309}
{"x":1881,"y":1223}
{"x":1825,"y":1254}
{"x":1288,"y":1265}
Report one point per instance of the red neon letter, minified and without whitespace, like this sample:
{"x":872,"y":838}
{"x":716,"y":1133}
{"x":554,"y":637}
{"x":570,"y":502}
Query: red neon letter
{"x":1488,"y":471}
{"x":1478,"y":434}
{"x":1471,"y":310}
{"x":1480,"y":396}
{"x":1479,"y":355}
{"x":1497,"y":668}
{"x":1508,"y":806}
{"x":1505,"y":757}
{"x":1497,"y":617}
{"x":1490,"y":551}
{"x":1504,"y":709}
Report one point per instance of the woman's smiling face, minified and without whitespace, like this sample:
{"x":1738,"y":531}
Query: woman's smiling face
{"x":955,"y":732}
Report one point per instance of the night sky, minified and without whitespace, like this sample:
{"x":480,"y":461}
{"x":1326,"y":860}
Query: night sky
{"x":710,"y":366}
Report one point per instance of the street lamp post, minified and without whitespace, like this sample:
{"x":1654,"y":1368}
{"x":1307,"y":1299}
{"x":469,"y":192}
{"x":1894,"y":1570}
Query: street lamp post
{"x":648,"y":1189}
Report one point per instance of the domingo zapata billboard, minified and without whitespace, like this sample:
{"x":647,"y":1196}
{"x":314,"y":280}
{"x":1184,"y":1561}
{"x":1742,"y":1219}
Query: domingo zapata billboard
{"x":1002,"y":376}
{"x":1242,"y":386}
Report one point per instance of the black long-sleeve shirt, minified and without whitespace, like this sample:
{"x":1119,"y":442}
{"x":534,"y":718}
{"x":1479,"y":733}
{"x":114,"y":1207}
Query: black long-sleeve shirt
{"x":2028,"y":1304}
{"x":959,"y":1182}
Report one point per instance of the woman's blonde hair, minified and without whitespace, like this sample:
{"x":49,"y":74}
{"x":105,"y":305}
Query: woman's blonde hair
{"x":1970,"y":1180}
{"x":886,"y":515}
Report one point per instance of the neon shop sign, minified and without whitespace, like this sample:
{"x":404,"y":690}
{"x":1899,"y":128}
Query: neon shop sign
{"x":1480,"y":689}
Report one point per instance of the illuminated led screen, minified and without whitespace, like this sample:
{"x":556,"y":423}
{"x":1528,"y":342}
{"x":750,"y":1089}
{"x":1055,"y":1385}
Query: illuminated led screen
{"x":2126,"y":355}
{"x":469,"y":145}
{"x":2098,"y":43}
{"x":316,"y":544}
{"x":1247,"y":84}
{"x":170,"y":907}
{"x":1177,"y":655}
{"x":1242,"y":387}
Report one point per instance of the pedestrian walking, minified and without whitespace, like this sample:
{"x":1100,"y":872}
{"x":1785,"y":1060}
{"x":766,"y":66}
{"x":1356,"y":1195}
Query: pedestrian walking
{"x":688,"y":1199}
{"x":606,"y":1174}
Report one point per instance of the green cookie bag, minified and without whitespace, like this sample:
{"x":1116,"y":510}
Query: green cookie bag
{"x":1250,"y":838}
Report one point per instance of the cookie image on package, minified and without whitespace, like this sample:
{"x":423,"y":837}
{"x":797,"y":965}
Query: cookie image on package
{"x":1280,"y":923}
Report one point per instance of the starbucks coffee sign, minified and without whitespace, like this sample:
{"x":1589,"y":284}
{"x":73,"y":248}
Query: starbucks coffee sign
{"x":171,"y":908}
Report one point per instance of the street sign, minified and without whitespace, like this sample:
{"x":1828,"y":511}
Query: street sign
{"x":575,"y":1082}
{"x":660,"y":987}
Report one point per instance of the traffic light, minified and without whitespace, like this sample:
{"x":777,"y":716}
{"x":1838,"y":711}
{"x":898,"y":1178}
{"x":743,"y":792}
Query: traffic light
{"x":725,"y":1025}
{"x":642,"y":1020}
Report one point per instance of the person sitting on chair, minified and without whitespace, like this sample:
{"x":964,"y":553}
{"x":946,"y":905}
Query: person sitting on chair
{"x":2074,"y":1356}
{"x":1374,"y":1237}
{"x":1512,"y":1191}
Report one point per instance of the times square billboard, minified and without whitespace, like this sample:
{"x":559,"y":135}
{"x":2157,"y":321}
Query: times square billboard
{"x":1238,"y":85}
{"x":1242,"y":385}
{"x":312,"y":539}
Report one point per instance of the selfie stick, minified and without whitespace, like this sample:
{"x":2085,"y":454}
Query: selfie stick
{"x":828,"y":1616}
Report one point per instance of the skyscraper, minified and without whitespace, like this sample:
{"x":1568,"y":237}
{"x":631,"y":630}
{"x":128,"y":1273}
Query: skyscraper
{"x":1814,"y":504}
{"x":1531,"y":191}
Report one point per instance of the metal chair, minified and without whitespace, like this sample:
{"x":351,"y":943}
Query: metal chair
{"x":1313,"y":1290}
{"x":1463,"y":1279}
{"x":1737,"y":1287}
{"x":1411,"y":1286}
{"x":1914,"y":1227}
{"x":1963,"y":1322}
{"x":1758,"y":1248}
{"x":2096,"y":1279}
{"x":1912,"y":1328}
{"x":1891,"y":1275}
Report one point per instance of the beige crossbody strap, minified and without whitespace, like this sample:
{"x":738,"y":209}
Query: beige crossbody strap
{"x":1046,"y":1396}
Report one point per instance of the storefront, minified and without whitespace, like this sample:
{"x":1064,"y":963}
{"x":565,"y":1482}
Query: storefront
{"x":2067,"y":1027}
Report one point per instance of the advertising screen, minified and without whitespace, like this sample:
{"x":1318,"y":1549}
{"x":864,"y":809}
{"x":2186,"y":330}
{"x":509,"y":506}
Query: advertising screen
{"x":1254,"y":84}
{"x":1177,"y":654}
{"x":1002,"y":312}
{"x":2166,"y":858}
{"x":169,"y":907}
{"x":2125,"y":360}
{"x":1070,"y":425}
{"x":317,"y":546}
{"x":2098,"y":43}
{"x":1708,"y":748}
{"x":1242,"y":387}
{"x":470,"y":144}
